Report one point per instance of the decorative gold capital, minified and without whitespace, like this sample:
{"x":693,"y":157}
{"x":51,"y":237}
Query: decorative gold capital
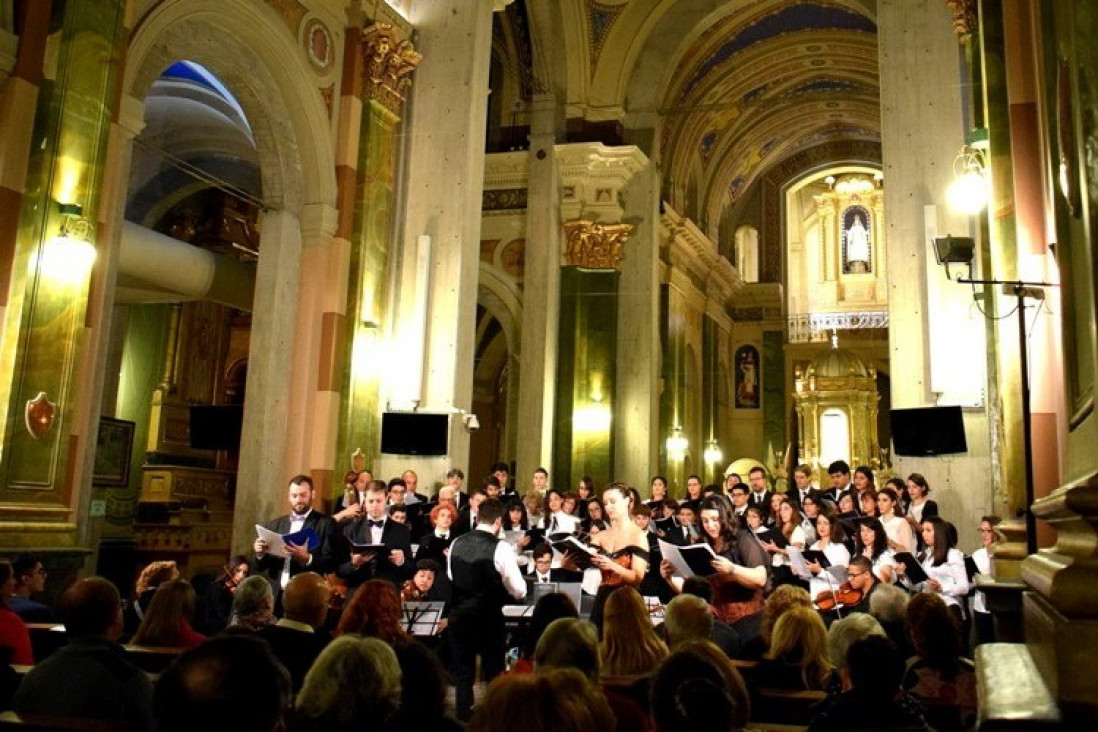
{"x":594,"y":245}
{"x":389,"y":61}
{"x":965,"y":18}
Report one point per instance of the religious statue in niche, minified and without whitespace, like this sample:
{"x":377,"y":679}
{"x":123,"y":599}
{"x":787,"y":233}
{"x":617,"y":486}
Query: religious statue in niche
{"x":857,"y":241}
{"x":747,"y":377}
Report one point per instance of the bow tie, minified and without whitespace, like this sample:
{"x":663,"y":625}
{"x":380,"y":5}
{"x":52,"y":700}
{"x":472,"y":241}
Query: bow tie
{"x":444,"y":537}
{"x":543,"y":578}
{"x":378,"y":524}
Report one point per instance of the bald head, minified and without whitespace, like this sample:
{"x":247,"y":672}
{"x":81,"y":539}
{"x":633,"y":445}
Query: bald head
{"x":306,"y":599}
{"x":92,"y":607}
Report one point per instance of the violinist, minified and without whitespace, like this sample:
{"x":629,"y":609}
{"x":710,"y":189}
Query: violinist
{"x":217,"y":603}
{"x":852,"y":595}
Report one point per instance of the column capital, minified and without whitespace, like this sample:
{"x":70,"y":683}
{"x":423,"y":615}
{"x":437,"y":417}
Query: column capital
{"x":592,"y":176}
{"x":595,"y":246}
{"x":966,"y":18}
{"x":389,"y":60}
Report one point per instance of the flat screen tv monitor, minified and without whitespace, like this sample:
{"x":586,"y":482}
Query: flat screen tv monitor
{"x":415,"y":433}
{"x":928,"y":431}
{"x":216,"y":427}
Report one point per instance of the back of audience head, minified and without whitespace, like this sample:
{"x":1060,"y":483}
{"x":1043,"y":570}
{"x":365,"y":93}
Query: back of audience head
{"x":569,"y":643}
{"x":91,"y":607}
{"x":687,"y":618}
{"x":697,"y":688}
{"x":155,"y":574}
{"x":559,"y":700}
{"x":355,"y":683}
{"x":888,"y":604}
{"x":934,"y":632}
{"x":172,"y":608}
{"x":422,"y":687}
{"x":231,"y":681}
{"x":845,"y":632}
{"x":549,"y":608}
{"x":630,"y":645}
{"x":698,"y":587}
{"x":253,"y":595}
{"x":374,"y":611}
{"x":874,"y":664}
{"x":783,"y":598}
{"x":306,"y":599}
{"x":800,"y":638}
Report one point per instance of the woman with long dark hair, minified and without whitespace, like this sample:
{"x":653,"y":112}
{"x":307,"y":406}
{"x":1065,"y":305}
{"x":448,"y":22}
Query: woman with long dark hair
{"x":890,"y":510}
{"x":741,"y":563}
{"x":872,"y":543}
{"x":830,"y":542}
{"x":944,"y":567}
{"x":217,"y":603}
{"x":167,"y":623}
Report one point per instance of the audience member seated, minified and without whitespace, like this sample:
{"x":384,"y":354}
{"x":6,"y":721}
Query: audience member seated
{"x":573,"y":643}
{"x":549,"y":608}
{"x":148,"y":582}
{"x":232,"y":682}
{"x":30,"y":579}
{"x":695,"y":688}
{"x":871,"y":697}
{"x":253,"y":605}
{"x":938,"y":675}
{"x":783,"y":598}
{"x":559,"y":700}
{"x":846,"y":632}
{"x":888,"y":604}
{"x":374,"y":612}
{"x":797,"y":659}
{"x":723,"y":635}
{"x":90,"y":677}
{"x":15,"y":644}
{"x":167,"y":622}
{"x":423,"y":692}
{"x":630,"y":646}
{"x":216,"y":607}
{"x":354,"y":685}
{"x":687,"y":618}
{"x":296,"y":639}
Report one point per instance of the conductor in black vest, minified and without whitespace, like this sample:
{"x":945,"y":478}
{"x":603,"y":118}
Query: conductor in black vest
{"x":486,"y":576}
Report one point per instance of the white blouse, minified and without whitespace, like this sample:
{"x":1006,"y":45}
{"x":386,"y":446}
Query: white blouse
{"x":886,"y":559}
{"x":899,"y":531}
{"x":839,"y":556}
{"x":950,"y":575}
{"x":795,"y":539}
{"x":983,"y":565}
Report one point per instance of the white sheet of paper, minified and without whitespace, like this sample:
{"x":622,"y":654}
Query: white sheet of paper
{"x":275,"y":546}
{"x":797,"y":563}
{"x":670,"y":552}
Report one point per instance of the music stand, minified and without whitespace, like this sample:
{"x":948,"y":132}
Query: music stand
{"x":421,"y":618}
{"x":540,"y":590}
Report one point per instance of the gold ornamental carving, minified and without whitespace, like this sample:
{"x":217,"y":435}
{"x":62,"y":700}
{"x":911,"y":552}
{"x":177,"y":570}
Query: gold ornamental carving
{"x":595,"y":246}
{"x":965,"y":18}
{"x":389,"y":62}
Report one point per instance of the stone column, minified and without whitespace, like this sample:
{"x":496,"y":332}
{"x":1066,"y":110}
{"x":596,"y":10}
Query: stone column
{"x":637,"y":415}
{"x":444,"y":181}
{"x":540,"y":297}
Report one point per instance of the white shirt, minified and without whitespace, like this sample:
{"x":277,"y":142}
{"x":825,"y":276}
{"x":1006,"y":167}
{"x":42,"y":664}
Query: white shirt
{"x":916,"y":511}
{"x":886,"y":559}
{"x":983,"y":564}
{"x":951,"y":576}
{"x":375,"y":531}
{"x":564,"y":523}
{"x":796,"y":539}
{"x":839,"y":556}
{"x":505,"y":562}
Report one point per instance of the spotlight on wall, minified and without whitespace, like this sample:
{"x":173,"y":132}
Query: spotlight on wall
{"x":955,"y":250}
{"x":68,"y":257}
{"x":677,"y":443}
{"x":712,"y":454}
{"x":968,"y":192}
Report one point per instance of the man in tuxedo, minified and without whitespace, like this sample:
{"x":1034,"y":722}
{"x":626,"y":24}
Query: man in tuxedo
{"x":297,"y":639}
{"x":840,"y":481}
{"x":394,"y":562}
{"x":485,"y":576}
{"x":300,"y":558}
{"x":502,"y":471}
{"x":455,"y":478}
{"x":760,"y":496}
{"x":543,"y":571}
{"x":740,"y":501}
{"x":802,"y":480}
{"x":411,"y":484}
{"x":686,"y":532}
{"x":467,"y":517}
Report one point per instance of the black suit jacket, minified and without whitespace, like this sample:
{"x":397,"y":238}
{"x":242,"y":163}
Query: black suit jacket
{"x":463,"y":524}
{"x":763,"y":502}
{"x":676,"y":536}
{"x":296,"y":649}
{"x":393,"y":536}
{"x":324,"y":557}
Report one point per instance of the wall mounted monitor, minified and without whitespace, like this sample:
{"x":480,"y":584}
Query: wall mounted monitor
{"x":928,"y":431}
{"x":415,"y":433}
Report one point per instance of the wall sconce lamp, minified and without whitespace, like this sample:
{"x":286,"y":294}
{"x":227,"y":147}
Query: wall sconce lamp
{"x":712,"y":454}
{"x":68,"y":257}
{"x":961,"y":250}
{"x":677,"y":443}
{"x":968,"y":192}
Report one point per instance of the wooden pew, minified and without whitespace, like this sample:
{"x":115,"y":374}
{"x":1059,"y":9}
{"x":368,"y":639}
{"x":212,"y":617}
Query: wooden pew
{"x":42,"y":723}
{"x":149,"y":659}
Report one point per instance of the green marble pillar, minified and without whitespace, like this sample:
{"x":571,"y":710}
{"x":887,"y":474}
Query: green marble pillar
{"x":45,"y":320}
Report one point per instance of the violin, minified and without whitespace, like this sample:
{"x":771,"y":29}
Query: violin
{"x":844,"y":595}
{"x":337,"y":592}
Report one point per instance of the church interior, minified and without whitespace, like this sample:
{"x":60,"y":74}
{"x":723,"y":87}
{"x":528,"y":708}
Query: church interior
{"x":610,"y":238}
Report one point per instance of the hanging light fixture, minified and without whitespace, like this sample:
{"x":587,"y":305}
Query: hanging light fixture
{"x":677,"y":443}
{"x":969,"y":191}
{"x":68,"y":257}
{"x":713,"y":454}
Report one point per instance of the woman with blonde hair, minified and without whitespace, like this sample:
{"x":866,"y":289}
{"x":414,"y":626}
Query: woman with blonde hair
{"x":559,"y":700}
{"x":354,"y":684}
{"x":152,"y":576}
{"x":797,"y":657}
{"x":630,"y":646}
{"x":167,"y":624}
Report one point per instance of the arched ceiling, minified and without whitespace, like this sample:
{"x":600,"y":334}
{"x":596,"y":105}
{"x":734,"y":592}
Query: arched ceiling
{"x":728,"y":88}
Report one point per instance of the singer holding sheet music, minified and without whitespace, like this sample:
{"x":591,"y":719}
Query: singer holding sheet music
{"x":831,"y":545}
{"x":624,"y":556}
{"x":741,"y":572}
{"x":944,"y":567}
{"x":390,"y":554}
{"x":300,"y":558}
